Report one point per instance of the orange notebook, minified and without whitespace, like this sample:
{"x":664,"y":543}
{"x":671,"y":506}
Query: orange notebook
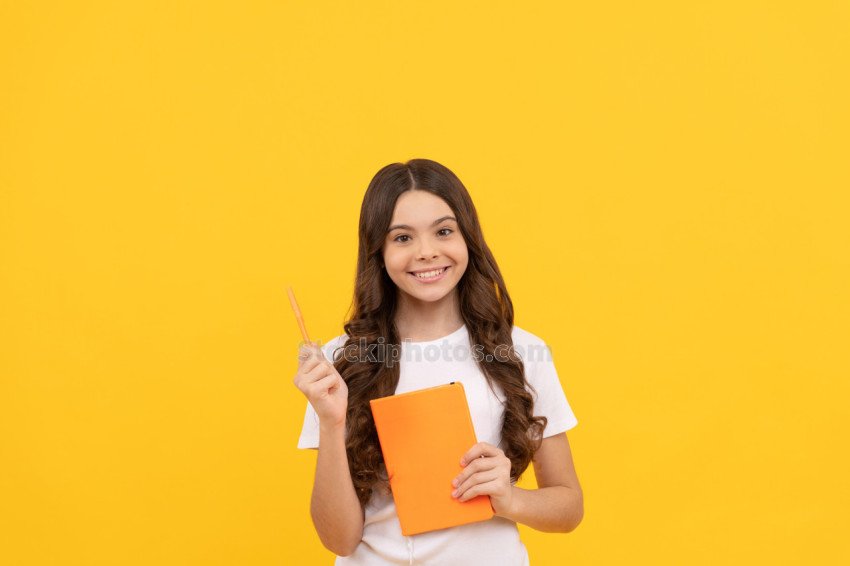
{"x":423,"y":436}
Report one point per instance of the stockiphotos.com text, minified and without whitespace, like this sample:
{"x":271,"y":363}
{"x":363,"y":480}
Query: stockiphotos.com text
{"x":390,"y":354}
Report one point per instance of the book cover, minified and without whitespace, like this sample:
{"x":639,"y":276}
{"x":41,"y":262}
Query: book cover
{"x":423,"y":436}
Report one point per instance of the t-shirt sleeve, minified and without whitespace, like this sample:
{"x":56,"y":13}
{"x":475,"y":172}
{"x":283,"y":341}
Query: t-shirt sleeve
{"x":550,"y":401}
{"x":310,"y":429}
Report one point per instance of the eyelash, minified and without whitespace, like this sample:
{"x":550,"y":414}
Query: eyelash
{"x":406,"y":236}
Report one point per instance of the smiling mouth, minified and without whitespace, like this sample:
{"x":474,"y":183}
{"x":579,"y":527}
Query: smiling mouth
{"x":429,"y":274}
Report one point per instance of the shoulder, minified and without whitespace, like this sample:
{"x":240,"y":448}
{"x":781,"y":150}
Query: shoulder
{"x":530,"y":347}
{"x":522,"y":336}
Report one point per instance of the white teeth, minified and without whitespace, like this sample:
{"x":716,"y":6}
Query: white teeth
{"x":429,"y":274}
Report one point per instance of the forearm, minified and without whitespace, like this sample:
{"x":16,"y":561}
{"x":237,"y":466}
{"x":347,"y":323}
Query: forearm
{"x":556,"y":509}
{"x":334,"y":507}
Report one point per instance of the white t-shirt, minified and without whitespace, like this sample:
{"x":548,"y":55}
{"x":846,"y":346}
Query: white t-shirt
{"x":437,"y":362}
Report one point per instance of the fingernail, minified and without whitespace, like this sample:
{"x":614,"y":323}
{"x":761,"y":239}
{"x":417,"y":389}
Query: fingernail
{"x":454,"y":493}
{"x":454,"y":483}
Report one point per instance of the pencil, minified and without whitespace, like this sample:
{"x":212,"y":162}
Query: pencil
{"x":298,"y":317}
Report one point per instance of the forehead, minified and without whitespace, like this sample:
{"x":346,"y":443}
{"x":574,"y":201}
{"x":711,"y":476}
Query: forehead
{"x":419,"y":207}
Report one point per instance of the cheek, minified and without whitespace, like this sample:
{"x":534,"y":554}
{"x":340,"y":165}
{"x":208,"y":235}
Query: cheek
{"x":461,"y":254}
{"x":395,"y":261}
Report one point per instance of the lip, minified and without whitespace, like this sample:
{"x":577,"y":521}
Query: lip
{"x":445,"y":269}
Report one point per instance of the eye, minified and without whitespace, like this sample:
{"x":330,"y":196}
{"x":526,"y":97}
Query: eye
{"x":396,"y":239}
{"x":449,"y":230}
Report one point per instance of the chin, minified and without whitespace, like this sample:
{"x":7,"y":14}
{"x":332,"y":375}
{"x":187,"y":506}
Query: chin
{"x":429,"y":295}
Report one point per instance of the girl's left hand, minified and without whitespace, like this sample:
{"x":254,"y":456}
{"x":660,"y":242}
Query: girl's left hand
{"x":487,"y":471}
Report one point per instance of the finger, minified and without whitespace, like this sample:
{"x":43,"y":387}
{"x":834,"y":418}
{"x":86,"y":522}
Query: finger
{"x":307,"y":375}
{"x":480,"y":489}
{"x":321,"y":370}
{"x":308,"y":364}
{"x":326,"y":385}
{"x":481,"y":449}
{"x":479,"y":465}
{"x":308,"y":351}
{"x":307,"y":361}
{"x":475,"y":479}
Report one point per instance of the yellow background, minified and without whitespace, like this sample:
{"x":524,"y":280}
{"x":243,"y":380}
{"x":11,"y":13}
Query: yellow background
{"x":664,"y":185}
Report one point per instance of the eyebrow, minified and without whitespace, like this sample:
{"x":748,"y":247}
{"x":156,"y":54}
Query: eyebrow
{"x":406,"y":227}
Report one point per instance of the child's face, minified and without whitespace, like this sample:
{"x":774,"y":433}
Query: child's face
{"x":422,"y":246}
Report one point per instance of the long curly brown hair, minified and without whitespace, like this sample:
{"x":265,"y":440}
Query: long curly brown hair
{"x":485,"y":307}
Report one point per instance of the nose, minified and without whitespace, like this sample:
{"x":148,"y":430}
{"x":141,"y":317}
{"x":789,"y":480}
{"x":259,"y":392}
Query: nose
{"x":426,"y":249}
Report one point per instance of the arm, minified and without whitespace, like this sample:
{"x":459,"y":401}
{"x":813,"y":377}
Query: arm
{"x":558,"y":505}
{"x":334,"y":506}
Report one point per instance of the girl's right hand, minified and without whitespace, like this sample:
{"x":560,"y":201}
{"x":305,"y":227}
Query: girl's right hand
{"x":319,"y":381}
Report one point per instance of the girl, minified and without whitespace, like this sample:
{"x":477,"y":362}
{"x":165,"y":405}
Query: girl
{"x":430,"y":307}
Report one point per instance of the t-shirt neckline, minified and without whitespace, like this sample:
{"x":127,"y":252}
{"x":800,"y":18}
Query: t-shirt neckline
{"x":452,"y":336}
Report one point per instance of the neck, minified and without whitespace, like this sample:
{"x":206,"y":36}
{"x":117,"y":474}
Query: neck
{"x":421,"y":321}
